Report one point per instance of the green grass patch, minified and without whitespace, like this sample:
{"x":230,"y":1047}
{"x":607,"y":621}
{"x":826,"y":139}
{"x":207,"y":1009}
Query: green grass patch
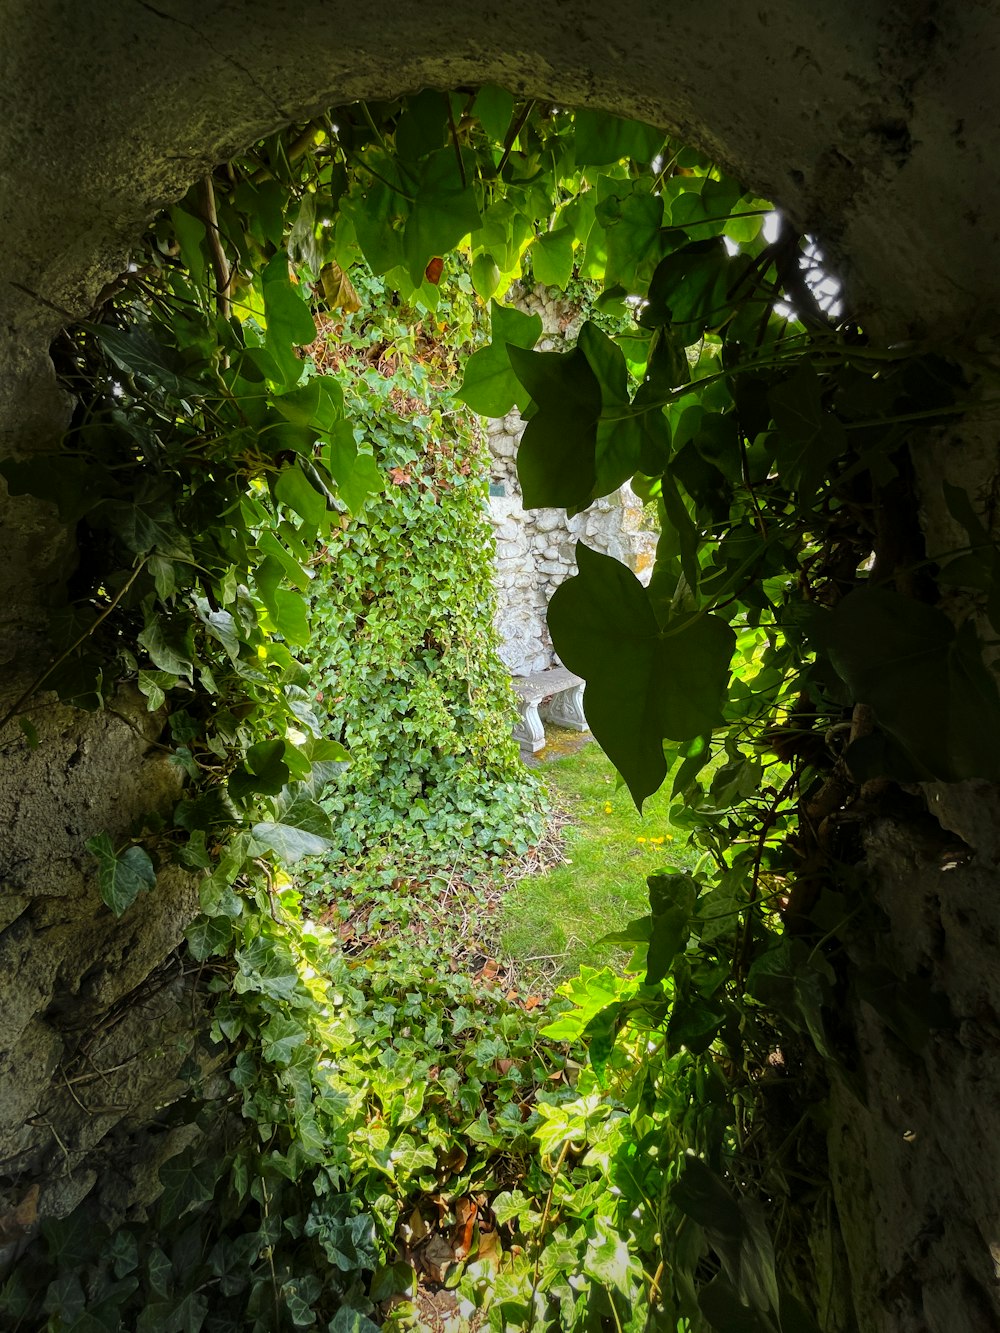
{"x":550,"y":923}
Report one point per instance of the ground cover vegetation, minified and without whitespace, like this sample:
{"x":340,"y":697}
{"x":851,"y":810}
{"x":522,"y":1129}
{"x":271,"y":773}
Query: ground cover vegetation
{"x":553,"y":921}
{"x":650,"y":1157}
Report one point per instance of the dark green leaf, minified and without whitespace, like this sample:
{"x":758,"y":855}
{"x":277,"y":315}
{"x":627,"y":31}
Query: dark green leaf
{"x":643,"y":683}
{"x":556,"y":460}
{"x":602,"y":139}
{"x":689,"y":289}
{"x":494,"y":108}
{"x":444,"y":211}
{"x":925,"y":681}
{"x":138,"y":353}
{"x":490,"y":385}
{"x":208,"y":935}
{"x":169,"y":642}
{"x":300,"y":828}
{"x":808,"y":438}
{"x":121,"y":876}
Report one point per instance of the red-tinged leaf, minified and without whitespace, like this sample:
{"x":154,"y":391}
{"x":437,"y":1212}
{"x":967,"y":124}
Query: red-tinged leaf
{"x":433,"y":270}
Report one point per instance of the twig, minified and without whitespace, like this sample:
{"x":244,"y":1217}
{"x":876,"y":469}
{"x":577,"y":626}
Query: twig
{"x":543,"y":1227}
{"x":220,"y":264}
{"x":512,"y":133}
{"x":454,"y":139}
{"x":40,"y":681}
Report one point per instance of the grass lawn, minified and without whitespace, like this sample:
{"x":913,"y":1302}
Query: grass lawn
{"x":549,"y":923}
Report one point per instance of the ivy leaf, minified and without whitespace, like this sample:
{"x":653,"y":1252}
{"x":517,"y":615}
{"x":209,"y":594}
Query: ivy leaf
{"x":281,"y":1038}
{"x":208,"y":935}
{"x":644,"y":683}
{"x":289,"y":320}
{"x":688,"y":290}
{"x":443,"y":212}
{"x":357,"y":475}
{"x":138,"y":353}
{"x":621,"y":434}
{"x":552,"y":257}
{"x":121,"y":877}
{"x":154,"y":684}
{"x":601,"y":139}
{"x":300,"y":828}
{"x":264,"y":771}
{"x":635,"y":241}
{"x":169,"y":643}
{"x":556,"y":461}
{"x":374,"y":210}
{"x":490,"y":385}
{"x":187,"y":1183}
{"x":146,"y":525}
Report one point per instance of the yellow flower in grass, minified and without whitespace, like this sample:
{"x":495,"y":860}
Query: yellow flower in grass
{"x":640,"y":839}
{"x":607,"y":807}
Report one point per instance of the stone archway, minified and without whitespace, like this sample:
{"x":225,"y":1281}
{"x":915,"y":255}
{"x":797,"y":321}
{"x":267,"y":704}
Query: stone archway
{"x":871,"y":126}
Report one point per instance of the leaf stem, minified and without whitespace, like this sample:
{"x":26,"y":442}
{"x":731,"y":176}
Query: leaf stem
{"x":37,"y":684}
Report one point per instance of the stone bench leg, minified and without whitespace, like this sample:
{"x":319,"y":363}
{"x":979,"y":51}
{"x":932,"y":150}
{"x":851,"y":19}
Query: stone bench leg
{"x":529,"y":731}
{"x":565,"y":709}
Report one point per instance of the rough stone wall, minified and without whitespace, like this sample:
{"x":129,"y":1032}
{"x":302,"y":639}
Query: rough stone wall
{"x":874,"y":126}
{"x":96,"y":1017}
{"x":536,"y":548}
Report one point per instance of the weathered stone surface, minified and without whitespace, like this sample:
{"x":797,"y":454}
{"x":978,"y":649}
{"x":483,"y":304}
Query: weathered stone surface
{"x":874,"y":126}
{"x":86,"y":1005}
{"x":536,"y":549}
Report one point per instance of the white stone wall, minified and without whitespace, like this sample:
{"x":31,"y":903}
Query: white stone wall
{"x":536,"y":549}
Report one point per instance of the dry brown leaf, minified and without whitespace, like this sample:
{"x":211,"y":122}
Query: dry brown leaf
{"x":436,"y":1257}
{"x":21,"y":1218}
{"x":466,"y":1213}
{"x":338,"y":289}
{"x":454,"y":1160}
{"x":418,"y":1227}
{"x":489,"y":1248}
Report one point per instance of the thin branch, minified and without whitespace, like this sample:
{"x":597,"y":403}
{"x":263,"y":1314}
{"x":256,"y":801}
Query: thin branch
{"x":454,"y":140}
{"x":220,"y":264}
{"x":37,"y":684}
{"x":512,"y":133}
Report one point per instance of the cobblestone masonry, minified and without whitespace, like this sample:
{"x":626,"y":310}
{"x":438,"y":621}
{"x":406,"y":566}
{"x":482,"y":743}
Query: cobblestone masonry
{"x":536,"y":549}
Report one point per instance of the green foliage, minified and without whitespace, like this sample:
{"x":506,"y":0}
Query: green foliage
{"x":223,"y":482}
{"x":403,"y":655}
{"x":554,"y":921}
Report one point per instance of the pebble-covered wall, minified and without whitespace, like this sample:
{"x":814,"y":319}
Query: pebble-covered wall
{"x":536,"y":549}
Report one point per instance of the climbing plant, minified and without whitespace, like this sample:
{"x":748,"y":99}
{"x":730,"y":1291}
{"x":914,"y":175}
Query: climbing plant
{"x":777,"y":671}
{"x":403,"y":650}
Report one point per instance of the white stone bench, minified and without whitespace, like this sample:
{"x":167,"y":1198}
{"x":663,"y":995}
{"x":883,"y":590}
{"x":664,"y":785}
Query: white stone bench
{"x":563,"y":692}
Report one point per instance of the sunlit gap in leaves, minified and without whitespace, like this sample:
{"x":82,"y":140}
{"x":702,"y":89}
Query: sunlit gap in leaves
{"x":825,"y":287}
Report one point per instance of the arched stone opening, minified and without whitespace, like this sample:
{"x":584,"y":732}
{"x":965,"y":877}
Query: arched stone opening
{"x":871,"y":126}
